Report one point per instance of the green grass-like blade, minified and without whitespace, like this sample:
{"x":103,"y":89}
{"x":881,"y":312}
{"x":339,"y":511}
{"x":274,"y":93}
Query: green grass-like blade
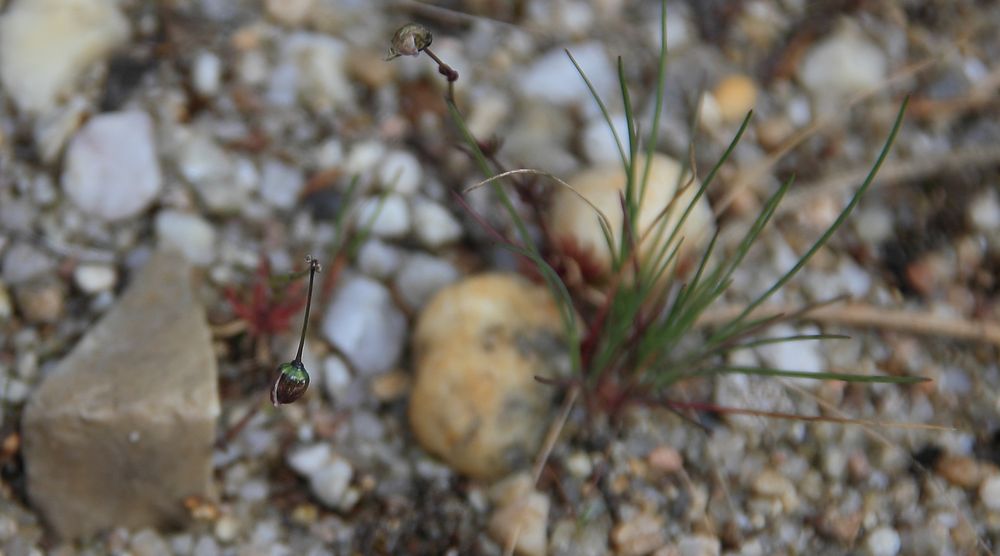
{"x":855,"y":199}
{"x":661,"y":85}
{"x":603,"y":107}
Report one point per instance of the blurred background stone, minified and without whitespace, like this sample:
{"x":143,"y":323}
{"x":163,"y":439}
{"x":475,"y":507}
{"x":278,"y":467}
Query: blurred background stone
{"x":121,"y":432}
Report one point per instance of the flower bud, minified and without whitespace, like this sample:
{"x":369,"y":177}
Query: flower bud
{"x":291,"y":383}
{"x":409,"y":40}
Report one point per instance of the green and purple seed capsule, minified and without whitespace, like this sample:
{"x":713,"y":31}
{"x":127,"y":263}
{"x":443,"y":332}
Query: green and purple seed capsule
{"x":291,"y":384}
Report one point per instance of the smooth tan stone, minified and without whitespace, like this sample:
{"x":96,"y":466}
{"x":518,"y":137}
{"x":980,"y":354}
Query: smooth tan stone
{"x":121,"y":432}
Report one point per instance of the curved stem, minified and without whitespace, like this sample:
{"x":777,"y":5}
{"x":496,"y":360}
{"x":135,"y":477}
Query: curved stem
{"x":313,"y":269}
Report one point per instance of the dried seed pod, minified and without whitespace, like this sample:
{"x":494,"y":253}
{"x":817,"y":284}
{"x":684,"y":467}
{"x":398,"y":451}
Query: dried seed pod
{"x":409,"y":40}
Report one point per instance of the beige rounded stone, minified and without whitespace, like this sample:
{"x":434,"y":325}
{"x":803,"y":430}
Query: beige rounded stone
{"x":736,"y":95}
{"x":576,"y":226}
{"x":478,"y":346}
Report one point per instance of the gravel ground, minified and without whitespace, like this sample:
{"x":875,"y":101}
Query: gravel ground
{"x":232,"y":132}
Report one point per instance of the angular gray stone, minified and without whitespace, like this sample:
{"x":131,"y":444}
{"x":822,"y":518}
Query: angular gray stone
{"x":121,"y":432}
{"x":364,"y":323}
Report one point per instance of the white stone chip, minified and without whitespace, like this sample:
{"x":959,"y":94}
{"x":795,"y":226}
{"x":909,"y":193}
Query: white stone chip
{"x":434,"y":225}
{"x":190,"y":234}
{"x":46,"y":44}
{"x":112,"y":170}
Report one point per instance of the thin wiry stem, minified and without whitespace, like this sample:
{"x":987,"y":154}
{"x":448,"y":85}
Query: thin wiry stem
{"x":313,"y":269}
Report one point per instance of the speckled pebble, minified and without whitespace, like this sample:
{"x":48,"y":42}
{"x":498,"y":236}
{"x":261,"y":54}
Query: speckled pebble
{"x":42,"y":301}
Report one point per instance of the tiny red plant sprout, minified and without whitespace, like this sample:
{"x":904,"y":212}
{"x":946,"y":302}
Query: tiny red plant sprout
{"x":266,"y":312}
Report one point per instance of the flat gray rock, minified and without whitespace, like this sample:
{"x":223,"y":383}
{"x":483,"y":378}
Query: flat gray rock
{"x":121,"y":432}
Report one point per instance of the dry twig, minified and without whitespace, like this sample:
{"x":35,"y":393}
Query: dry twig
{"x":861,"y":315}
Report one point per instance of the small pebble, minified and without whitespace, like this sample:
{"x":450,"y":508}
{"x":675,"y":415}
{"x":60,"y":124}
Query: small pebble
{"x":336,"y":377}
{"x":206,"y":546}
{"x":699,"y":545}
{"x":989,"y":493}
{"x":94,"y":278}
{"x":400,"y":172}
{"x":390,"y":386}
{"x":227,"y":528}
{"x":309,"y":459}
{"x":280,"y":184}
{"x":599,"y":143}
{"x":379,"y":259}
{"x":666,"y":459}
{"x":579,"y":465}
{"x":289,"y":12}
{"x":883,"y":541}
{"x":365,"y":324}
{"x":421,"y":276}
{"x":736,"y":96}
{"x":553,"y":78}
{"x":798,"y":356}
{"x":434,"y":225}
{"x":364,"y":157}
{"x":523,"y":511}
{"x":318,"y":73}
{"x":212,"y":172}
{"x":639,"y":535}
{"x":386,"y":217}
{"x":772,"y":484}
{"x":330,"y":484}
{"x":206,"y":74}
{"x":370,"y":68}
{"x":984,"y":211}
{"x":24,"y":262}
{"x":148,"y":543}
{"x":842,"y":64}
{"x":76,"y":35}
{"x":961,"y":471}
{"x":42,"y":301}
{"x":193,"y":236}
{"x":53,"y":130}
{"x":111,"y":169}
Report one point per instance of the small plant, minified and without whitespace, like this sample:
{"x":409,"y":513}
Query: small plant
{"x":268,"y":308}
{"x":293,"y":380}
{"x":628,"y":345}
